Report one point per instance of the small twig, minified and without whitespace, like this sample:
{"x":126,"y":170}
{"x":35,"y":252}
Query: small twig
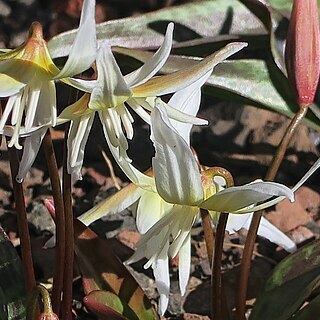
{"x":22,"y":223}
{"x":110,"y":167}
{"x":59,"y":220}
{"x":69,"y":237}
{"x":252,"y":233}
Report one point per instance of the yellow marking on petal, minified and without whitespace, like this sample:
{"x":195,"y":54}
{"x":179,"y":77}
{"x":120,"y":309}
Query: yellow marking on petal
{"x":180,"y":79}
{"x":78,"y":109}
{"x":30,"y":58}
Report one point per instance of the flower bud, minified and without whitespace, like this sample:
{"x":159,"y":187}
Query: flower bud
{"x":302,"y":53}
{"x":48,"y":316}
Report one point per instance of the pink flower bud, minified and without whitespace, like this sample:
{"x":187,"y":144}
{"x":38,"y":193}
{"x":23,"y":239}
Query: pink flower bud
{"x":303,"y":50}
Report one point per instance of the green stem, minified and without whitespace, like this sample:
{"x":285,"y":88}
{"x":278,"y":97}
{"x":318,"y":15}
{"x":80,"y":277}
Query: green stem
{"x":22,"y":223}
{"x":252,"y":233}
{"x":59,"y":220}
{"x":69,"y":237}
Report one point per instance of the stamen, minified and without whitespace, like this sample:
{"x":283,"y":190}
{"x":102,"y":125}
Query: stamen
{"x":143,"y":114}
{"x":7,"y":111}
{"x":32,"y":106}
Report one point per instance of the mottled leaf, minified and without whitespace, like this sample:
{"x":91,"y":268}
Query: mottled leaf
{"x":290,"y":284}
{"x":105,"y":305}
{"x":192,"y":21}
{"x":283,"y":301}
{"x":12,"y":290}
{"x":254,"y":82}
{"x":102,"y":270}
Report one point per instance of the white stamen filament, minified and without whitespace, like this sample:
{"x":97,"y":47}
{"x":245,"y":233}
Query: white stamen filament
{"x":143,"y":114}
{"x":7,"y":111}
{"x":127,"y":120}
{"x":32,"y":106}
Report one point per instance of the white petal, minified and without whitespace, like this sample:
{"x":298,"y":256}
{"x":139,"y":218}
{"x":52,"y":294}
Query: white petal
{"x":9,"y":86}
{"x":162,"y":278}
{"x":114,"y":204}
{"x":84,"y":48}
{"x":184,"y":264}
{"x":151,"y":208}
{"x":175,"y":81}
{"x":111,"y":89}
{"x":80,"y":84}
{"x":235,"y":198}
{"x":175,"y":168}
{"x":173,"y":113}
{"x":154,"y":64}
{"x":188,"y":101}
{"x":270,"y":232}
{"x":31,"y":148}
{"x":236,"y":222}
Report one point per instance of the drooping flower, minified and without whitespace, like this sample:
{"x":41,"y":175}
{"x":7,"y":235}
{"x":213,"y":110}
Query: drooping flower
{"x":169,"y":203}
{"x":27,"y":76}
{"x":113,"y":95}
{"x":303,"y":50}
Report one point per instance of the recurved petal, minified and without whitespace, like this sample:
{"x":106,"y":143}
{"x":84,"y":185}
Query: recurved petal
{"x":84,"y":48}
{"x":77,"y":109}
{"x":111,"y":89}
{"x":184,"y":264}
{"x":176,"y":171}
{"x":270,"y":232}
{"x":154,"y":64}
{"x":9,"y":86}
{"x":80,"y":84}
{"x":235,"y":198}
{"x":114,"y":204}
{"x":175,"y":81}
{"x":31,"y":148}
{"x":162,"y":278}
{"x":187,"y":100}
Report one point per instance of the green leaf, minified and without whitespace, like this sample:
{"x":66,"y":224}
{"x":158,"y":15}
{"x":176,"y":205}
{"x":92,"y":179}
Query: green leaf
{"x":272,"y":20}
{"x":309,"y":311}
{"x":105,"y":305}
{"x":12,"y":290}
{"x":193,"y":20}
{"x":102,"y":270}
{"x":255,"y":82}
{"x":283,"y":301}
{"x":290,"y":284}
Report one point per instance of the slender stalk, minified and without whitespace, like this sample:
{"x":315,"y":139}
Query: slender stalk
{"x":59,"y":220}
{"x":219,"y":308}
{"x":33,"y":302}
{"x":208,"y":233}
{"x":22,"y":223}
{"x":69,"y":237}
{"x":252,"y":233}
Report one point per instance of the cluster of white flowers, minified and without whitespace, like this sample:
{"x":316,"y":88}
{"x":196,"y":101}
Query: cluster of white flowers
{"x":168,"y":201}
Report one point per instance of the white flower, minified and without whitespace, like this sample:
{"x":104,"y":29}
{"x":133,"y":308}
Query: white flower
{"x":113,"y":95}
{"x":169,"y":203}
{"x":27,"y":76}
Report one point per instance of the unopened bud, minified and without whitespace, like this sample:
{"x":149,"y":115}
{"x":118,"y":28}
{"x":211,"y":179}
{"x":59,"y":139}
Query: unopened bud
{"x":302,"y":53}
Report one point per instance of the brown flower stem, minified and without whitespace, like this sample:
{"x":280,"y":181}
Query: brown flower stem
{"x":22,"y":223}
{"x":252,"y":233}
{"x":59,"y":220}
{"x":69,"y":237}
{"x":208,"y":233}
{"x":219,"y":309}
